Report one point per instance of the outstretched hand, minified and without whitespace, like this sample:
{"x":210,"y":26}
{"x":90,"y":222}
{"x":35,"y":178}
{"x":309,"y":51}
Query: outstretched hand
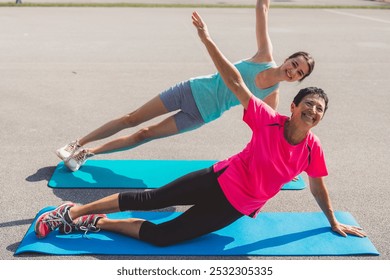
{"x":200,"y":26}
{"x":344,"y":230}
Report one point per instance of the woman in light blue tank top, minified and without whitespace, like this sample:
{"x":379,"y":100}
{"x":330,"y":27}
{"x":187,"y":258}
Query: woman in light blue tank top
{"x":198,"y":101}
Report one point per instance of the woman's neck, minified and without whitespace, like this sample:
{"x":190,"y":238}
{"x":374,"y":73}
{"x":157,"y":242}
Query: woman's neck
{"x":293,"y":134}
{"x":268,"y":78}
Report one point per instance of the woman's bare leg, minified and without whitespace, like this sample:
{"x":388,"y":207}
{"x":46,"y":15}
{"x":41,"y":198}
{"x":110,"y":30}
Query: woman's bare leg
{"x":163,"y":129}
{"x":148,"y":111}
{"x":129,"y":227}
{"x":109,"y":204}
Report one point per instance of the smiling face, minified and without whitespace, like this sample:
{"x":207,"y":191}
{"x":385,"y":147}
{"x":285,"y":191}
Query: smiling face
{"x":309,"y":111}
{"x":295,"y":69}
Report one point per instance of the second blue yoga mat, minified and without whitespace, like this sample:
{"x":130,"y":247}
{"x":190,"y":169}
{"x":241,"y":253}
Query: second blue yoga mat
{"x":133,"y":174}
{"x":270,"y":234}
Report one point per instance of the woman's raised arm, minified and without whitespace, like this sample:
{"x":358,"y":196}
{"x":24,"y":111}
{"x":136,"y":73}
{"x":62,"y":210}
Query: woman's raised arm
{"x":264,"y":44}
{"x":227,"y":70}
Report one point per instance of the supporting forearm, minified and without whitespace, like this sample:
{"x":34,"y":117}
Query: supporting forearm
{"x":321,"y":195}
{"x":324,"y":203}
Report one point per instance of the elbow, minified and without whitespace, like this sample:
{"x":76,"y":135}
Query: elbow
{"x":315,"y":194}
{"x":262,"y":7}
{"x":319,"y":192}
{"x":235,"y":84}
{"x":315,"y":191}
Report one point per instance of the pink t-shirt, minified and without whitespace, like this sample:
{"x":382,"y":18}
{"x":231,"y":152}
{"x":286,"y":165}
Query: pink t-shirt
{"x":258,"y":172}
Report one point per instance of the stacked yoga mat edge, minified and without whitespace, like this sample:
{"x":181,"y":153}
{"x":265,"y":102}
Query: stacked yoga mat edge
{"x":137,"y":174}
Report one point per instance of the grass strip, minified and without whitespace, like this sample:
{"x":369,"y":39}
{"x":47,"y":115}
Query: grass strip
{"x":145,"y":5}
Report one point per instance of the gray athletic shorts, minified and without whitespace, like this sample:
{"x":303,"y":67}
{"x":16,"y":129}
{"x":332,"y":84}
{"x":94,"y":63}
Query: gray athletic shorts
{"x":179,"y":97}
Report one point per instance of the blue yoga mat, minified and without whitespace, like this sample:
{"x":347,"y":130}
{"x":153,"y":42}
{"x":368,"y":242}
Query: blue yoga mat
{"x":135,"y":174}
{"x":270,"y":234}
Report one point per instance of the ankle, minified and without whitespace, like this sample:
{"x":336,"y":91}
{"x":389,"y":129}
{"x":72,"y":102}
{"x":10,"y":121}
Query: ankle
{"x":100,"y":222}
{"x":68,"y":216}
{"x":82,"y":142}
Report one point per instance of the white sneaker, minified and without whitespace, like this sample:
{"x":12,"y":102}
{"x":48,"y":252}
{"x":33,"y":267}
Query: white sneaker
{"x":68,"y":150}
{"x":77,"y":159}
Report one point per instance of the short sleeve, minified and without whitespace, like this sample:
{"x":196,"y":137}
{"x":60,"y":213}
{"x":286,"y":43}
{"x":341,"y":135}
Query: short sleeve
{"x":317,"y":165}
{"x":257,"y":113}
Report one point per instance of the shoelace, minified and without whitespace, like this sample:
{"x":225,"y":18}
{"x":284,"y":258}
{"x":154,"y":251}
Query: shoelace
{"x":56,"y":219}
{"x":89,"y":228}
{"x":73,"y":147}
{"x":80,"y":156}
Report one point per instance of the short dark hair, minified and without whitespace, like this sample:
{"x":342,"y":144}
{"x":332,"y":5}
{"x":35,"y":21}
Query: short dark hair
{"x":308,"y":91}
{"x":309,"y":60}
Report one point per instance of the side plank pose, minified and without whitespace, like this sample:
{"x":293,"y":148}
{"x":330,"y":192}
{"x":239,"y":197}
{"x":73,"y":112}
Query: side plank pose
{"x":280,"y":148}
{"x":197,"y":101}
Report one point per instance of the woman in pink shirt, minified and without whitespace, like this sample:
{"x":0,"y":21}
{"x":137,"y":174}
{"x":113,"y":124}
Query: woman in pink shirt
{"x":281,"y":147}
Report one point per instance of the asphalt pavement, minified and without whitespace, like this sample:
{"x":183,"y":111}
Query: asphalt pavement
{"x":65,"y":71}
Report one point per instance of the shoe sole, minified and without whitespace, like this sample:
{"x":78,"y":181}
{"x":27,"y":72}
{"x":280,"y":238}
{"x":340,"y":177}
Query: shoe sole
{"x":70,"y":168}
{"x":42,"y":215}
{"x":65,"y":160}
{"x":37,"y":226}
{"x":60,"y":156}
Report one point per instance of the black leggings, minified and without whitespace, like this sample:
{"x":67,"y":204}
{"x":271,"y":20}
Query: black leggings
{"x":209,"y":212}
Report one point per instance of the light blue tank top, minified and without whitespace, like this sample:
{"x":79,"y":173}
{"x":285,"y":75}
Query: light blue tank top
{"x":213,"y":97}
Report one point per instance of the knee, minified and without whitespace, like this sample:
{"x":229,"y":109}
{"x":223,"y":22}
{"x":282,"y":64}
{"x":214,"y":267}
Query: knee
{"x":159,"y":242}
{"x":130,"y":120}
{"x":145,"y":134}
{"x":156,"y":236}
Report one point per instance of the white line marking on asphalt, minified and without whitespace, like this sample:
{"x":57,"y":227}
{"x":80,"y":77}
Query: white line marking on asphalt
{"x":358,"y":16}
